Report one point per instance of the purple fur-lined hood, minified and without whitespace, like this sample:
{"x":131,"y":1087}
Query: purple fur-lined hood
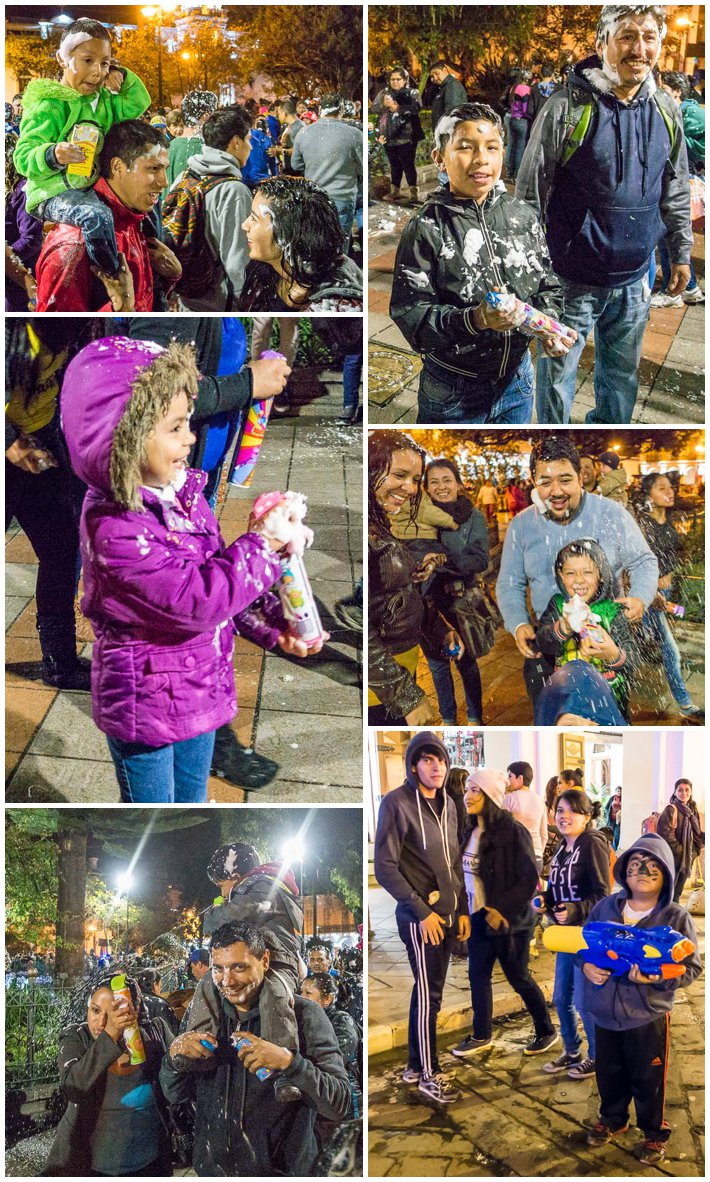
{"x":162,"y":591}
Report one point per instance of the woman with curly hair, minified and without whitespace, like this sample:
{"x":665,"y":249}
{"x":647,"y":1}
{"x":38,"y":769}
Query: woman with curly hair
{"x":400,"y":619}
{"x":296,"y":250}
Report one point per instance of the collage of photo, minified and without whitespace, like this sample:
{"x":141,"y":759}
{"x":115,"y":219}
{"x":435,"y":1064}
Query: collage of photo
{"x":265,"y":265}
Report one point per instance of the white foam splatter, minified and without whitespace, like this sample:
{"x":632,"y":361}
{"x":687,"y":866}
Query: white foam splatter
{"x":472,"y":244}
{"x":67,"y":47}
{"x":417,"y":278}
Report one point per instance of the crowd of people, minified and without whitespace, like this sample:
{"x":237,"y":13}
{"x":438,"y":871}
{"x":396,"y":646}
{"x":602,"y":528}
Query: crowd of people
{"x":586,"y":584}
{"x":478,"y":856}
{"x":114,"y":205}
{"x":252,"y":1066}
{"x":116,"y":448}
{"x":601,"y":158}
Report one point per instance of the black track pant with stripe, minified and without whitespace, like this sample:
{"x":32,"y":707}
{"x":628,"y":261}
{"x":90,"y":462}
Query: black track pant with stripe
{"x":430,"y":964}
{"x":632,"y":1065}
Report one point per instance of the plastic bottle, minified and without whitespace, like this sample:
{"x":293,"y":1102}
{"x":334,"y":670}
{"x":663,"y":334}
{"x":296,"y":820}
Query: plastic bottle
{"x":131,"y":1035}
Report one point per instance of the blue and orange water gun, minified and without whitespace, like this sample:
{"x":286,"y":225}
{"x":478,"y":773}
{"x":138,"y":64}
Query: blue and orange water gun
{"x":656,"y":952}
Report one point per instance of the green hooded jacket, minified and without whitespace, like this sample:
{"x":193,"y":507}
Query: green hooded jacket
{"x":51,"y":111}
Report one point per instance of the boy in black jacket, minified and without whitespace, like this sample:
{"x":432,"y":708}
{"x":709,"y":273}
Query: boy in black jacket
{"x":418,"y":862}
{"x":468,"y":239}
{"x":632,"y":1012}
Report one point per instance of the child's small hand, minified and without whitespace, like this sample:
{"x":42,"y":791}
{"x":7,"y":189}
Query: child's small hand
{"x":114,"y":80}
{"x":596,"y":975}
{"x":66,"y":153}
{"x":294,"y":647}
{"x":639,"y":978}
{"x":604,"y":649}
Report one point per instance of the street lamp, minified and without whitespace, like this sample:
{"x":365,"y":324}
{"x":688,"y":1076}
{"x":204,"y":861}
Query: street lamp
{"x":124,"y":884}
{"x":155,"y":12}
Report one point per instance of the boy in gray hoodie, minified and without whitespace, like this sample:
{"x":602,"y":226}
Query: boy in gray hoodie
{"x":632,"y":1012}
{"x":418,"y":862}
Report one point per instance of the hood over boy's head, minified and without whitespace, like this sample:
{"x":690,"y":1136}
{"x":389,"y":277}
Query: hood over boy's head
{"x":653,"y":846}
{"x":425,"y":742}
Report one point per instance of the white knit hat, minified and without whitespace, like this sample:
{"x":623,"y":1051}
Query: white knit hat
{"x":493,"y":783}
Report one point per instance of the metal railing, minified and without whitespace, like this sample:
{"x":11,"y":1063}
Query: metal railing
{"x":33,"y":1019}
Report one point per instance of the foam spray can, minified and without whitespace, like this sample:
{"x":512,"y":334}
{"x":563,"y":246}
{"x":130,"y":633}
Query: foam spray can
{"x":298,"y":602}
{"x":240,"y":1041}
{"x":246,"y":455}
{"x":131,"y":1035}
{"x":535,"y":323}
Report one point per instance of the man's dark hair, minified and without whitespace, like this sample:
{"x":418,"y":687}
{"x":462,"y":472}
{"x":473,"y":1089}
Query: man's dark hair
{"x":288,"y":106}
{"x":331,"y":102}
{"x":521,"y":768}
{"x":554,"y":447}
{"x":129,"y":141}
{"x":441,"y":64}
{"x":426,"y":751}
{"x":677,"y":81}
{"x":223,"y":125}
{"x":326,"y":985}
{"x":548,"y":68}
{"x":85,"y":25}
{"x":239,"y":933}
{"x":321,"y":948}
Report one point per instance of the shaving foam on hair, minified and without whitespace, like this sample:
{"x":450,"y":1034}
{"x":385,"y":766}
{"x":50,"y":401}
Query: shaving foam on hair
{"x":613,"y":15}
{"x":445,"y":127}
{"x":68,"y":45}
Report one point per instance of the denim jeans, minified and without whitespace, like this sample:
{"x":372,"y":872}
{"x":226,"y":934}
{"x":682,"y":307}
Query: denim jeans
{"x":517,"y":137}
{"x":352,"y":371}
{"x":659,"y":626}
{"x":446,"y":397}
{"x":618,"y":316}
{"x":346,"y":217}
{"x":566,"y":998}
{"x":512,"y":953}
{"x":83,"y":209}
{"x":174,"y":774}
{"x":444,"y":686}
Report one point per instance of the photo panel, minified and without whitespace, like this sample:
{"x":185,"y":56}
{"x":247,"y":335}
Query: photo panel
{"x":536,"y":220}
{"x":174,"y":957}
{"x":573,"y":1013}
{"x":474,"y":613}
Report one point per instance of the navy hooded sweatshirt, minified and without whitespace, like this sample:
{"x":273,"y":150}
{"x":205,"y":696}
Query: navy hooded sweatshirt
{"x":621,"y":1004}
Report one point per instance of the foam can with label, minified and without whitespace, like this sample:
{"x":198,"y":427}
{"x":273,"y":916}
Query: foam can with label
{"x":298,"y":602}
{"x":84,"y":136}
{"x":131,"y":1035}
{"x":244,"y":462}
{"x":535,"y":323}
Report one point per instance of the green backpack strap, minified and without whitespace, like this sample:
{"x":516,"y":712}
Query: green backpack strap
{"x":580,"y":109}
{"x":665,"y":105}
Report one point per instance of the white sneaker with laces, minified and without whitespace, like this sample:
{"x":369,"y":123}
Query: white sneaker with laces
{"x":695,"y":296}
{"x":664,"y":300}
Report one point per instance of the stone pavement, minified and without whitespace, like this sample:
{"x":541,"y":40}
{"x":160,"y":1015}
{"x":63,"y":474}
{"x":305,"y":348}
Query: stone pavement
{"x":306,"y":715}
{"x":671,"y":370}
{"x":514,"y":1120}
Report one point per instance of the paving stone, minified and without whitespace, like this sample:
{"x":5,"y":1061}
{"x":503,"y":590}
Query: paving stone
{"x":20,"y":578}
{"x":69,"y":728}
{"x":42,"y":779}
{"x":290,"y":740}
{"x":14,"y":607}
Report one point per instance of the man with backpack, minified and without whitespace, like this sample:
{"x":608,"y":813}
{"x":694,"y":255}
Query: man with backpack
{"x":606,"y":167}
{"x":203,"y":214}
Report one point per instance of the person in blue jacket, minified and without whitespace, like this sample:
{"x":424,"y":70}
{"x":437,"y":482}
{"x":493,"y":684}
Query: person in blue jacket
{"x":606,"y":168}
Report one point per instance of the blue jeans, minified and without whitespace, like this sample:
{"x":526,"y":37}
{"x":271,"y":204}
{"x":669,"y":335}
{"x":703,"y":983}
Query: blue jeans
{"x":517,"y":137}
{"x":659,"y":626}
{"x":352,"y":371}
{"x":566,"y":998}
{"x":444,"y":686}
{"x":618,"y":316}
{"x":346,"y":216}
{"x":174,"y":774}
{"x":447,"y":397}
{"x":83,"y":209}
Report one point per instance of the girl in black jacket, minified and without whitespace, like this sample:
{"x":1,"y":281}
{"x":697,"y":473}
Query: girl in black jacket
{"x":500,"y":875}
{"x":579,"y":878}
{"x":115,"y":1123}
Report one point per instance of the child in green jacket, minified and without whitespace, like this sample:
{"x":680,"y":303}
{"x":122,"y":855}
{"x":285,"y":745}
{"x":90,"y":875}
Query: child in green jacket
{"x":58,"y":117}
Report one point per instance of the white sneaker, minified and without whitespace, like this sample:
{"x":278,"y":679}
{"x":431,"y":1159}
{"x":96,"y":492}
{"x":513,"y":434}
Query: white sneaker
{"x":696,"y":296}
{"x":663,"y":300}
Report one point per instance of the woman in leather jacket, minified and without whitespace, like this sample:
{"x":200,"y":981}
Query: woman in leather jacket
{"x":399,"y":617}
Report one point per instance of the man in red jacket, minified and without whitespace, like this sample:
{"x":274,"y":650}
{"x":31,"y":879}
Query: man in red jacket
{"x":134,"y":159}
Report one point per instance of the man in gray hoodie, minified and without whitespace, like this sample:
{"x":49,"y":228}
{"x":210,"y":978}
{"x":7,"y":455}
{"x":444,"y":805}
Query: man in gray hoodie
{"x":227,"y":202}
{"x":418,"y":862}
{"x":329,"y":153}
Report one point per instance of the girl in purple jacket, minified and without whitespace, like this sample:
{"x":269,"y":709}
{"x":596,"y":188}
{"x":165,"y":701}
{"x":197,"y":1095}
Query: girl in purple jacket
{"x":162,"y":591}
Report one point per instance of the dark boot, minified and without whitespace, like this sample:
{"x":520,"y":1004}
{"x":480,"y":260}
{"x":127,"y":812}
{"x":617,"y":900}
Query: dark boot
{"x":61,"y":667}
{"x":239,"y":765}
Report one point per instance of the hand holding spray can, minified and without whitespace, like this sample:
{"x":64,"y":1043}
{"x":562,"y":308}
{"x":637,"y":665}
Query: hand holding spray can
{"x":240,"y":1041}
{"x":534,"y":323}
{"x":244,"y":462}
{"x":280,"y":515}
{"x":131,"y":1035}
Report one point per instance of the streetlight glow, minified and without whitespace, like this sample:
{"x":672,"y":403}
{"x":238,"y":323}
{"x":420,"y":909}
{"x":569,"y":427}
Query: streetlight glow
{"x":293,"y":850}
{"x":124,"y":883}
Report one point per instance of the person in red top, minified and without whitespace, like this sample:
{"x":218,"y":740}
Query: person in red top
{"x":133,"y":172}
